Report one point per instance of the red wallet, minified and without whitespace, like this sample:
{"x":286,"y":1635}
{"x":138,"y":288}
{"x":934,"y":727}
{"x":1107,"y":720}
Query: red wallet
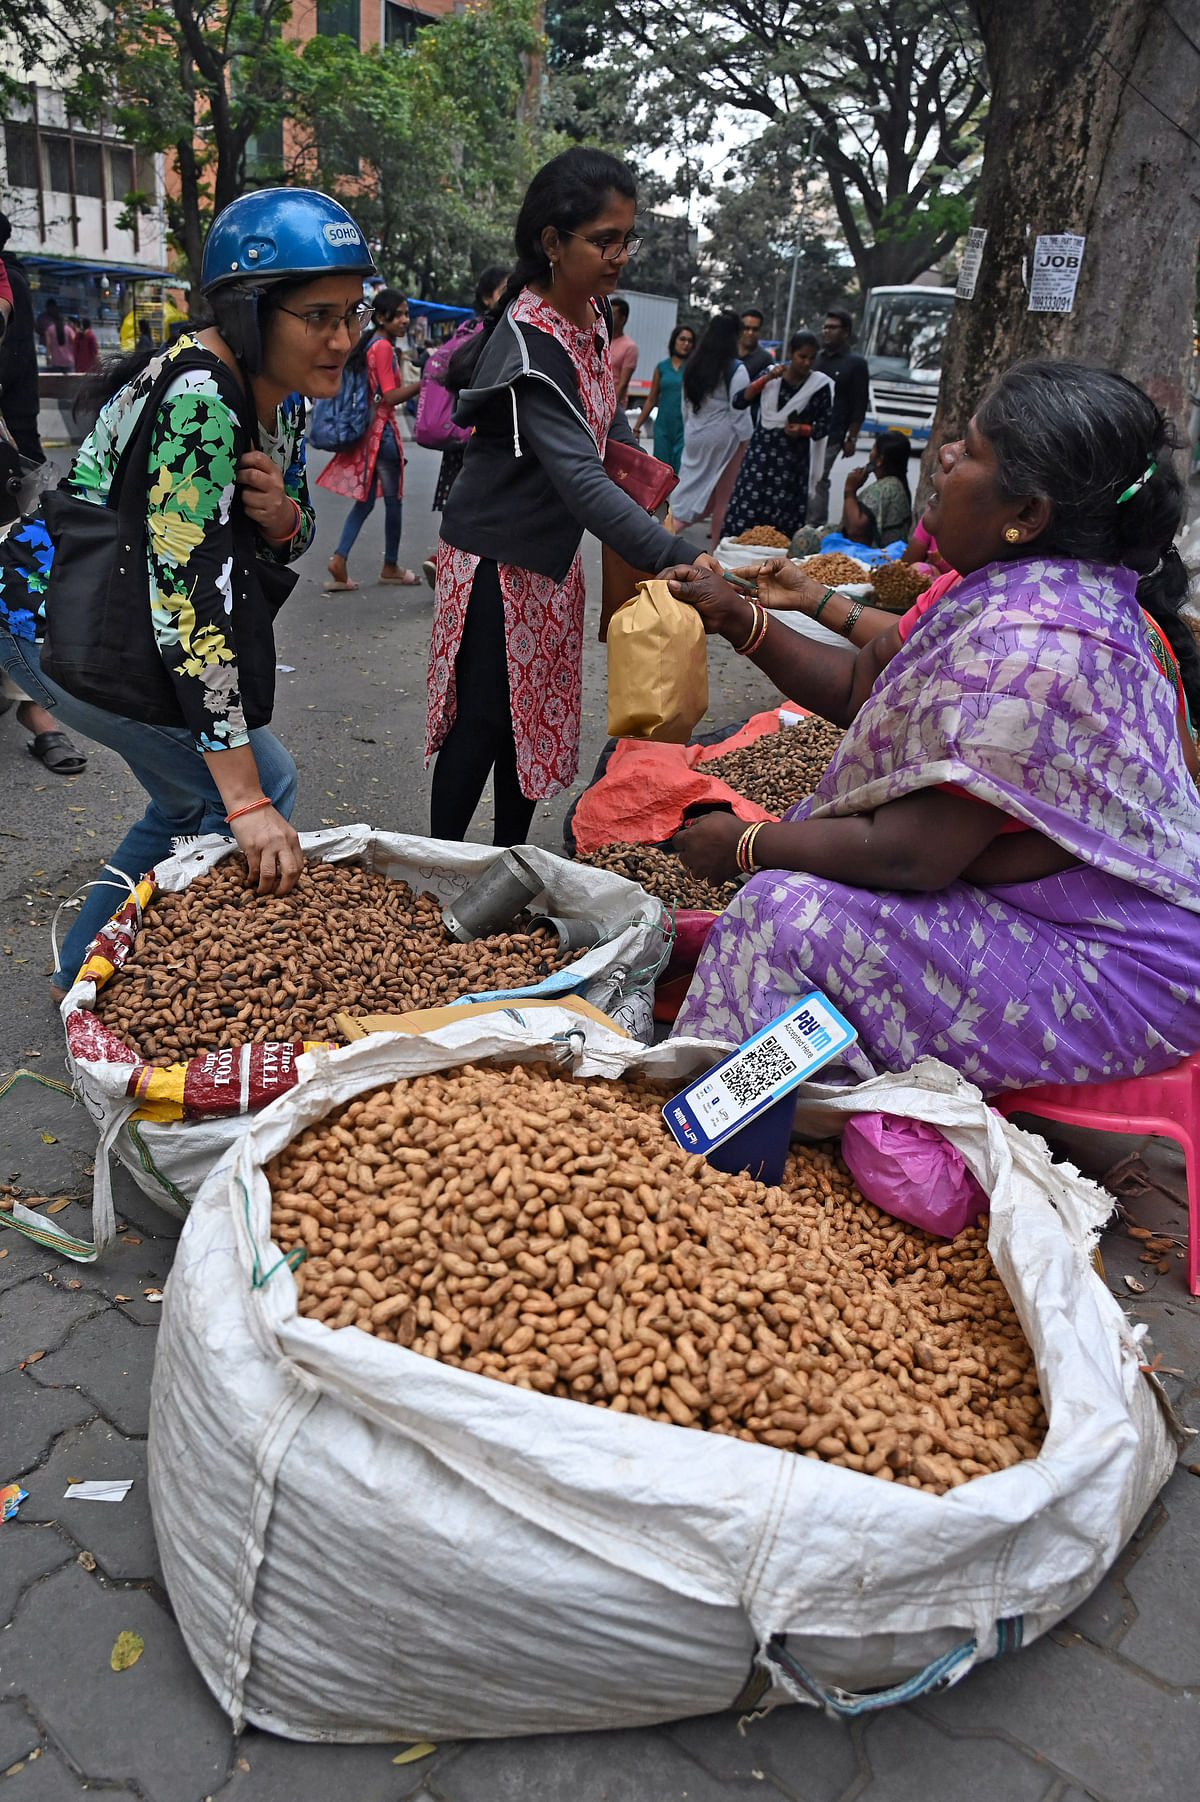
{"x":646,"y":479}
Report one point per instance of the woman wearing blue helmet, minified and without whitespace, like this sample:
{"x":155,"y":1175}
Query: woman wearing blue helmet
{"x":226,"y":509}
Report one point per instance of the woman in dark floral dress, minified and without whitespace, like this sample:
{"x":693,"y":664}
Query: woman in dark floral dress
{"x":773,"y":482}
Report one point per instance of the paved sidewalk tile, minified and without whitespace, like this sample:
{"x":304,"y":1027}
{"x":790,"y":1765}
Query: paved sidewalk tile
{"x":18,"y":1733}
{"x":22,"y":1258}
{"x":110,"y":1359}
{"x":807,"y":1754}
{"x":641,"y":1766}
{"x":36,"y":1317}
{"x":45,"y":1779}
{"x":1165,"y":1637}
{"x":33,"y":1417}
{"x":29,"y":1553}
{"x":154,"y":1725}
{"x":912,"y":1762}
{"x":1102,"y":1723}
{"x":282,"y":1770}
{"x":119,"y":1535}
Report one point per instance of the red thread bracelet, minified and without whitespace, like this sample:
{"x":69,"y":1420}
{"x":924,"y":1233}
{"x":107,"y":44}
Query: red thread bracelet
{"x":250,"y":807}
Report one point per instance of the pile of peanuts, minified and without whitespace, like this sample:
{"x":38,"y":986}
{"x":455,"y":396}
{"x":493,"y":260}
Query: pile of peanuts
{"x":663,"y":875}
{"x":834,"y":567}
{"x":897,"y":585}
{"x":780,"y":768}
{"x":768,"y":536}
{"x":218,"y":965}
{"x":549,"y":1233}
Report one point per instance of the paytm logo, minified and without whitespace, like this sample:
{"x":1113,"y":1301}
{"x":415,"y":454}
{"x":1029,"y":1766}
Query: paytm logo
{"x":342,"y":234}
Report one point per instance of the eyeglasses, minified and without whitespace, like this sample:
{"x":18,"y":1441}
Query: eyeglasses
{"x":610,"y":244}
{"x":324,"y":321}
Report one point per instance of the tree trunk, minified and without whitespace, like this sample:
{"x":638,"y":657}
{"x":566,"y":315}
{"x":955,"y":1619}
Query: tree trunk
{"x":1094,"y":115}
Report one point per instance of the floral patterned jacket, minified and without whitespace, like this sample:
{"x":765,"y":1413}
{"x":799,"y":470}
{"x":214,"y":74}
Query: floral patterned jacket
{"x":189,"y":535}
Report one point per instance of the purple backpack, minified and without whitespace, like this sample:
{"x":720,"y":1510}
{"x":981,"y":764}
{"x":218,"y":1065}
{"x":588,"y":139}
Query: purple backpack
{"x":434,"y":427}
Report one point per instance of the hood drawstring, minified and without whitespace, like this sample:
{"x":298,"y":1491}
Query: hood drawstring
{"x":512,"y":395}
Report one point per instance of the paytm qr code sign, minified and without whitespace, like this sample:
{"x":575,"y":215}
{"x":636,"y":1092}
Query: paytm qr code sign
{"x":758,"y":1074}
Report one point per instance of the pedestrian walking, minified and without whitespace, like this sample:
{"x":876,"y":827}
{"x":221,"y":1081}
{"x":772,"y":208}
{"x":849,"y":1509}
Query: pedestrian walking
{"x":375,"y":465}
{"x":715,"y":430}
{"x":86,"y":349}
{"x":794,"y":412}
{"x":666,"y":394}
{"x":851,"y":377}
{"x":225,"y":508}
{"x":506,"y":659}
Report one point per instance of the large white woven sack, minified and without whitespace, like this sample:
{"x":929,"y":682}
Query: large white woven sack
{"x":361,"y":1543}
{"x":169,"y":1160}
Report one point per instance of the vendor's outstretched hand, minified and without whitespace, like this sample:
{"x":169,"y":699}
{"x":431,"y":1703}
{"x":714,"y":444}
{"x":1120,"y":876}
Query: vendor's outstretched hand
{"x":708,"y":846}
{"x":703,"y":587}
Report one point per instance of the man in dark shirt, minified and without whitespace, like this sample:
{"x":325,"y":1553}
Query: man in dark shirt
{"x":750,"y":350}
{"x":18,"y":359}
{"x":851,"y":395}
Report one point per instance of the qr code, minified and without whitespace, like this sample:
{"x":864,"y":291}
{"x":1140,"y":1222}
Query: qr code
{"x":756,"y":1071}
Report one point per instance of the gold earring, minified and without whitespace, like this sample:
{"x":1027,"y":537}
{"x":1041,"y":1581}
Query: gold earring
{"x":553,"y":267}
{"x":1012,"y":533}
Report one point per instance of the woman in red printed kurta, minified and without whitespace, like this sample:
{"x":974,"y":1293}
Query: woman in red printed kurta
{"x":536,"y":386}
{"x":375,"y":464}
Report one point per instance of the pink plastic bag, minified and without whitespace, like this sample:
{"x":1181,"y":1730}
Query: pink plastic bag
{"x":910,"y":1171}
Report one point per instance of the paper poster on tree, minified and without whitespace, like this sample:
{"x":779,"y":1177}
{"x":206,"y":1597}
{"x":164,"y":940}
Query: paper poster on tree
{"x":1055,"y":275}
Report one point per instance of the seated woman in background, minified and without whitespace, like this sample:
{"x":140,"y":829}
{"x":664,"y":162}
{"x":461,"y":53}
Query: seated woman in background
{"x":789,"y":440}
{"x":877,"y":506}
{"x":1001,"y":864}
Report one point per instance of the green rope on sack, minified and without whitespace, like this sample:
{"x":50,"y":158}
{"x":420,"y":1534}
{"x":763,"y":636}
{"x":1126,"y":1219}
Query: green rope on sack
{"x":51,"y":1238}
{"x":293,"y":1259}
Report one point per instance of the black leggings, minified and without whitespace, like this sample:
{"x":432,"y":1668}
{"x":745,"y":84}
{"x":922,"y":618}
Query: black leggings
{"x":481,"y":737}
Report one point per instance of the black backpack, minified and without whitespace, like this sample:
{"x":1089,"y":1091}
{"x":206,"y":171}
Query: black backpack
{"x":99,"y":639}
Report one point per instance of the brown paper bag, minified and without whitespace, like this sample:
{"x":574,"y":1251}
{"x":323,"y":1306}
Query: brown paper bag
{"x":657,"y":667}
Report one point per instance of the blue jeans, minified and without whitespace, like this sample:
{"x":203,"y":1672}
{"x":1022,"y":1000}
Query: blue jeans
{"x":184,"y":799}
{"x":389,"y":467}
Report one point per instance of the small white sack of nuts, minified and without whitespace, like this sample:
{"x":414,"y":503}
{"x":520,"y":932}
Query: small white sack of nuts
{"x":365,"y":1543}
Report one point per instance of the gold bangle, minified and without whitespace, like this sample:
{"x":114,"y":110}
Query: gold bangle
{"x":757,"y":611}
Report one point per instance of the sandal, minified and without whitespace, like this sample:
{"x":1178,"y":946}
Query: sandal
{"x":332,"y":587}
{"x":408,"y":578}
{"x":59,"y":755}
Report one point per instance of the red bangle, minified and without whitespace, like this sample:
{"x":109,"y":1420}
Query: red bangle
{"x":250,"y":807}
{"x":286,"y":537}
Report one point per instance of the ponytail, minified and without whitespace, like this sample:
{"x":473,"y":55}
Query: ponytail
{"x":565,"y":193}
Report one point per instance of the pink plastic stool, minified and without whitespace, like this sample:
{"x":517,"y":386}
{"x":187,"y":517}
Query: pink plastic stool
{"x":1167,"y":1103}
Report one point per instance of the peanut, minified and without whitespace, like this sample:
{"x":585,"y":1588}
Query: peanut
{"x":797,"y":1317}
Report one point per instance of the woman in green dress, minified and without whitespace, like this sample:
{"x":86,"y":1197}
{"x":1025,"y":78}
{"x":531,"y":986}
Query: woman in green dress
{"x":666,"y":393}
{"x":879,"y":511}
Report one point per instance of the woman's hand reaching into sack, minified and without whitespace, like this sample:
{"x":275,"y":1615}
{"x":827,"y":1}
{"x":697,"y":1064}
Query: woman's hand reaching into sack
{"x":263,"y":497}
{"x":271,"y":847}
{"x":708,"y":846}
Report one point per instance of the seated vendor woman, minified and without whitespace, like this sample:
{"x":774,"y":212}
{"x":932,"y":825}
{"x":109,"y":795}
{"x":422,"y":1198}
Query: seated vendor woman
{"x":1001,"y":864}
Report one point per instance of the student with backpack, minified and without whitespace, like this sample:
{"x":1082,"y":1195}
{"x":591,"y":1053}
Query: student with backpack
{"x":435,"y":427}
{"x":371,"y":463}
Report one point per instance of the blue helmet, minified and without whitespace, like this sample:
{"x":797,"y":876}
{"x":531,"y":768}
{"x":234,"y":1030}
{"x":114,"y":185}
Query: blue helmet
{"x":282,"y":234}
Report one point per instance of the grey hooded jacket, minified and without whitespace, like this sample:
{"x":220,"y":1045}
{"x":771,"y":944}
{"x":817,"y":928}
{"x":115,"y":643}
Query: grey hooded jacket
{"x":532,"y":481}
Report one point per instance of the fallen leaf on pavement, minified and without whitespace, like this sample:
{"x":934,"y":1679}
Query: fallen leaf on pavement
{"x":32,"y":1358}
{"x":56,"y":1207}
{"x":421,"y":1750}
{"x":49,"y":1139}
{"x":127,"y":1651}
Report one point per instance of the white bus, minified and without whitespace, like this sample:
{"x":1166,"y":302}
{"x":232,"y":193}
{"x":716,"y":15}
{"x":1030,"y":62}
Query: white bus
{"x":901,"y":336}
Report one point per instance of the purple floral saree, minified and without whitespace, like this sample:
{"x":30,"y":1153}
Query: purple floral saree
{"x":1034,"y":691}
